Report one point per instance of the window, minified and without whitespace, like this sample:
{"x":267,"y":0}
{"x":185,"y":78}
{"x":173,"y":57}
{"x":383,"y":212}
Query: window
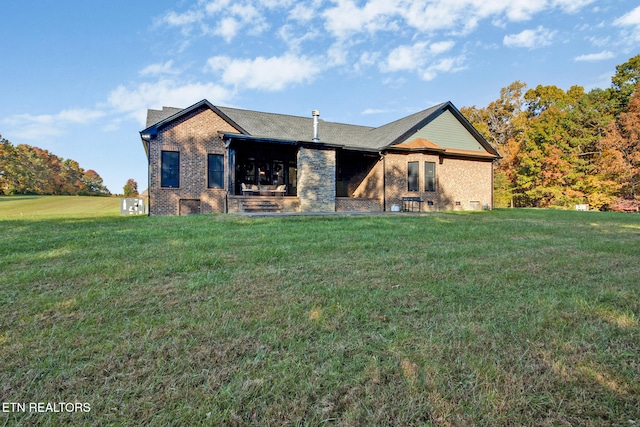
{"x":429,"y":176}
{"x":215,"y":171}
{"x":412,"y":176}
{"x":170,"y":169}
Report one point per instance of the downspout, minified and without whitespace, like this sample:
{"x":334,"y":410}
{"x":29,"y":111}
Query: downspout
{"x":149,"y":178}
{"x":146,"y":140}
{"x":493,"y":167}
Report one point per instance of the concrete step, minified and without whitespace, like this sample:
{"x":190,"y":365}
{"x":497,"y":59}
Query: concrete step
{"x":260,"y":206}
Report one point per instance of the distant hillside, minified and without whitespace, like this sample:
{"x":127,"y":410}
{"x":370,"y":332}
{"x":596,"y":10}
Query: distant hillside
{"x":31,"y":170}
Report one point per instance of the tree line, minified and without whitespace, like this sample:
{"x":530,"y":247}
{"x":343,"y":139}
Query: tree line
{"x":561,"y":148}
{"x":25,"y":169}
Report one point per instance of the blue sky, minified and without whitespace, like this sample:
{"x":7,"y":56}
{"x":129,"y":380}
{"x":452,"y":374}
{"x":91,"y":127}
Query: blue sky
{"x":77,"y":77}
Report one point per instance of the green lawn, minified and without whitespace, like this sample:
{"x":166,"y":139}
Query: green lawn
{"x":55,"y":206}
{"x":506,"y":317}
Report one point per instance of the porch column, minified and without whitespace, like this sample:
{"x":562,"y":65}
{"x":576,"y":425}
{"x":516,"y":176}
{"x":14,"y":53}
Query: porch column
{"x":231,"y":182}
{"x":316,"y":179}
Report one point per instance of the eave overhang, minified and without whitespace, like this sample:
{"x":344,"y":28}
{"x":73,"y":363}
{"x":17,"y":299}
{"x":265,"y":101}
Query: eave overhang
{"x":229,"y":138}
{"x":443,"y":152}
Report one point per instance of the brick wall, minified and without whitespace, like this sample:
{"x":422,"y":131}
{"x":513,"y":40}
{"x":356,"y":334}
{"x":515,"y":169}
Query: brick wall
{"x":193,"y":136}
{"x":372,"y":186}
{"x":465,"y":181}
{"x":460,"y":184}
{"x":350,"y":204}
{"x":317,"y":180}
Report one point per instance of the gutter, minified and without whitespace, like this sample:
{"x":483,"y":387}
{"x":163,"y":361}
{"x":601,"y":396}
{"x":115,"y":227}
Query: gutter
{"x":146,"y":142}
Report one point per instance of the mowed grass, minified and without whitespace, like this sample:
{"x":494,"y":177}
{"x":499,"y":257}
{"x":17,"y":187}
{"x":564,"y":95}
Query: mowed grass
{"x":52,"y":206}
{"x":508,"y":317}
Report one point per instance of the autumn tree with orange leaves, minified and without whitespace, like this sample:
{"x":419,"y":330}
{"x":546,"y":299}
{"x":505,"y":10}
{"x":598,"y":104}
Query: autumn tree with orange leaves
{"x":561,"y":148}
{"x":31,"y":170}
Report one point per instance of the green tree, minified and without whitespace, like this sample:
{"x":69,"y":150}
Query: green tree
{"x":499,"y":121}
{"x":554,"y":159}
{"x":624,"y":82}
{"x":93,"y":184}
{"x":503,"y":123}
{"x":7,"y":162}
{"x":562,"y":147}
{"x":71,"y":175}
{"x":131,"y":188}
{"x":31,"y":170}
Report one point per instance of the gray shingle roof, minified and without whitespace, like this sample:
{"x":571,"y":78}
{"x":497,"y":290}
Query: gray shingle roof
{"x":295,"y":128}
{"x":156,"y":116}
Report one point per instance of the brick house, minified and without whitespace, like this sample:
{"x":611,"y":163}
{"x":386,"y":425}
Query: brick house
{"x":207,"y":159}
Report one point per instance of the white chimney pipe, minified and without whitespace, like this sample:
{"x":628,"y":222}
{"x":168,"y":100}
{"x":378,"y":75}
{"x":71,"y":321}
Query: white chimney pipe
{"x":315,"y":114}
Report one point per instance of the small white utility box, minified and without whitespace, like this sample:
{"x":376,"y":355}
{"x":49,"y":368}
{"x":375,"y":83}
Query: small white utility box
{"x":132,"y":206}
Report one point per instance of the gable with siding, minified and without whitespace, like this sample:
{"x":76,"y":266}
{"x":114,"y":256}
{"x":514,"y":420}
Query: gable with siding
{"x":447,"y":132}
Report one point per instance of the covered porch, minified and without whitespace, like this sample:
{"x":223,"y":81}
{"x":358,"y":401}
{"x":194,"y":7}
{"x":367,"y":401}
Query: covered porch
{"x":260,"y":168}
{"x":268,"y":175}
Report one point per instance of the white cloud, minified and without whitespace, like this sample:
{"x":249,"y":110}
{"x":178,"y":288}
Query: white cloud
{"x":213,"y":7}
{"x":294,"y":38}
{"x":593,"y":57}
{"x":441,"y":47}
{"x":220,"y":17}
{"x":302,"y":12}
{"x":269,"y":74}
{"x":631,"y":18}
{"x":122,"y":103}
{"x":366,"y":60}
{"x":463,"y":16}
{"x":370,"y":111}
{"x":228,"y":28}
{"x":571,"y":6}
{"x":445,"y":65}
{"x":600,"y":41}
{"x":155,"y":69}
{"x":347,"y":18}
{"x":135,"y":102}
{"x":531,"y":39}
{"x":34,"y":127}
{"x":405,"y":57}
{"x":421,"y":57}
{"x":344,"y":18}
{"x":182,"y":19}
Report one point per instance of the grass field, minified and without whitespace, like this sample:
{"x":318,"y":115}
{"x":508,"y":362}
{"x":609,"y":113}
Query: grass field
{"x":506,"y":317}
{"x":55,"y":206}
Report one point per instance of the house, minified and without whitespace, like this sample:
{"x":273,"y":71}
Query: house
{"x":207,"y":159}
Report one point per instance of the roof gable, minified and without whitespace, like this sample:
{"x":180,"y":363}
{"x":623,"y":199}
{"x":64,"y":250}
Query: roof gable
{"x":447,"y":132}
{"x":447,"y":128}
